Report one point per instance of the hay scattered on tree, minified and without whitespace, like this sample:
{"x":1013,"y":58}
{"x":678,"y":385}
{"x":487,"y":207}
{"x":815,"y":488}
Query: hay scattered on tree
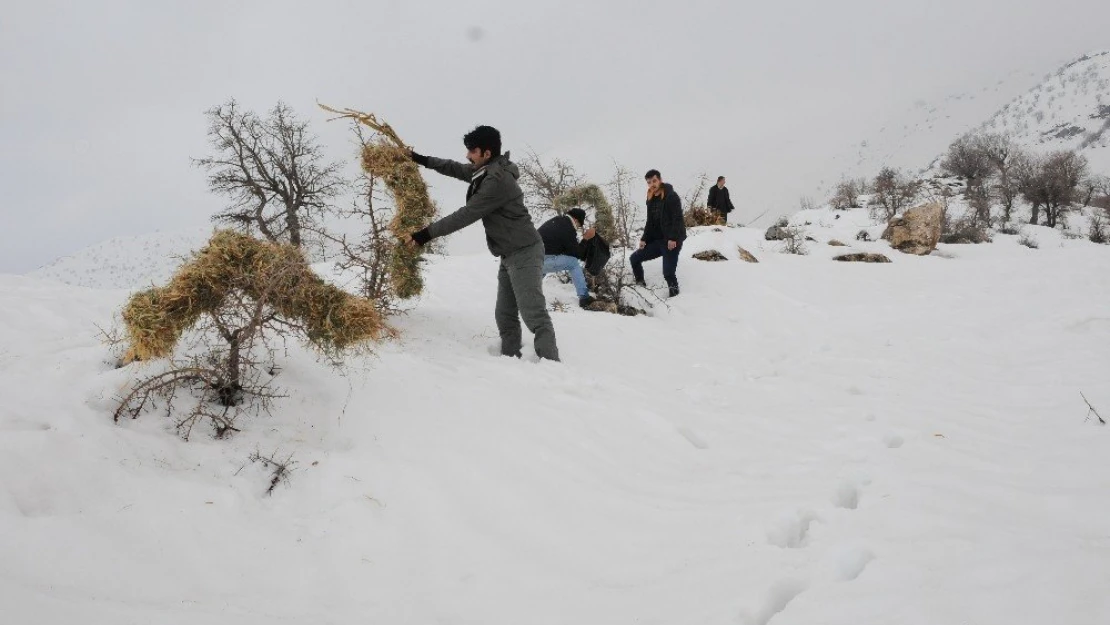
{"x":591,"y":195}
{"x":386,"y":158}
{"x":275,"y":273}
{"x":701,"y":216}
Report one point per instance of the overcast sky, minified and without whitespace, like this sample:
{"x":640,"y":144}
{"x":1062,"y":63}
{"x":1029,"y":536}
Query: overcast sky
{"x":101,"y":101}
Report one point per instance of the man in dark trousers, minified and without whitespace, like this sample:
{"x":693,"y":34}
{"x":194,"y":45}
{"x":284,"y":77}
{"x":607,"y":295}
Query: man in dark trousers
{"x":495,"y":197}
{"x":663,"y":233}
{"x":562,"y":250}
{"x":719,"y":200}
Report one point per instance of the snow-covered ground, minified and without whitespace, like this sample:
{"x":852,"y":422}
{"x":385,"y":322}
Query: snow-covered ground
{"x":793,"y":441}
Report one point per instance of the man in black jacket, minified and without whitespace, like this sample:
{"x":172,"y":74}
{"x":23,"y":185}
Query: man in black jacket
{"x":495,"y":198}
{"x":719,"y":200}
{"x":663,"y":233}
{"x":562,"y":250}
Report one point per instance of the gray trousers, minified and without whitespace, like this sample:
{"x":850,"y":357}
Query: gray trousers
{"x":520,"y":294}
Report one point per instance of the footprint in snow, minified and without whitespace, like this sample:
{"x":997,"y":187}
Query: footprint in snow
{"x":849,"y":562}
{"x":791,"y":531}
{"x":847,"y":496}
{"x":778,"y":597}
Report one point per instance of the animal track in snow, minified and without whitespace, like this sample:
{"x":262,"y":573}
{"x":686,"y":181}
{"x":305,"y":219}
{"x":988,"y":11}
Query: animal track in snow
{"x":791,"y":530}
{"x":847,"y":496}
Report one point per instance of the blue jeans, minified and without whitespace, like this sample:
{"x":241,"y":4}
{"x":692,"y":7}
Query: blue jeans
{"x":553,"y":264}
{"x":654,"y":250}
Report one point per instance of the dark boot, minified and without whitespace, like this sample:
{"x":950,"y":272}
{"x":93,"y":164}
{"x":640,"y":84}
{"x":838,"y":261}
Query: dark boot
{"x":674,"y":290}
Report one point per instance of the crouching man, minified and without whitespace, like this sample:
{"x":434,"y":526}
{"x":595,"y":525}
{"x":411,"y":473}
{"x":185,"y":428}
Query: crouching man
{"x":562,"y":250}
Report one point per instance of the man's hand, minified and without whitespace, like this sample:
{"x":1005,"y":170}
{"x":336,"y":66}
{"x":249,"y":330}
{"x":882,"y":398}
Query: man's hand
{"x":417,"y":239}
{"x":672,"y":244}
{"x":643,"y":244}
{"x":589,"y":234}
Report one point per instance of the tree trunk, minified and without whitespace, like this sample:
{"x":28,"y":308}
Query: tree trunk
{"x":294,"y":222}
{"x":229,"y":391}
{"x":1035,"y":214}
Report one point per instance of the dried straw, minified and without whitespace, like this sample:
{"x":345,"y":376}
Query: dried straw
{"x":386,"y":157}
{"x":590,"y":195}
{"x":156,"y":318}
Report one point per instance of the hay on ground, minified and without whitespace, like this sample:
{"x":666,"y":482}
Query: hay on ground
{"x":862,"y":257}
{"x":275,"y":273}
{"x":710,"y":255}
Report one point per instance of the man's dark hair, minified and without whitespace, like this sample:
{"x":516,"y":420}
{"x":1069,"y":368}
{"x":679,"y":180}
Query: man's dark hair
{"x":484,"y":138}
{"x":720,"y":178}
{"x":653,"y":173}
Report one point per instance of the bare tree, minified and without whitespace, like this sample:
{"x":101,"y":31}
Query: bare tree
{"x":893,"y":193}
{"x":1064,"y":170}
{"x":272,"y":169}
{"x":968,"y":158}
{"x":1004,"y":156}
{"x":1093,"y":186}
{"x":367,"y":255}
{"x":693,"y":195}
{"x":1053,"y":182}
{"x":625,"y":214}
{"x":543,"y":183}
{"x":846,"y":194}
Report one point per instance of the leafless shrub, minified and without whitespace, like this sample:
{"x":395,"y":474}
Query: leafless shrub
{"x":794,"y":241}
{"x":368,"y":255}
{"x":1028,"y":241}
{"x":894,"y":192}
{"x":846,"y":194}
{"x":273,"y":171}
{"x":543,"y":183}
{"x":967,"y":230}
{"x":279,"y":469}
{"x":198,"y":391}
{"x":1097,"y":228}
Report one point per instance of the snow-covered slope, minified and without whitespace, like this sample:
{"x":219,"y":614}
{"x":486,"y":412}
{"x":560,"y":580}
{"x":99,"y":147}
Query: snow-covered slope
{"x":125,"y":262}
{"x":793,"y":441}
{"x":1070,"y":110}
{"x":911,"y":138}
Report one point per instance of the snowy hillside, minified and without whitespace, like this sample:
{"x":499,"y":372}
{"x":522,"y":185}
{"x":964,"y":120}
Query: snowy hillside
{"x":1069,"y":110}
{"x":794,"y":441}
{"x":911,"y":138}
{"x":125,"y":262}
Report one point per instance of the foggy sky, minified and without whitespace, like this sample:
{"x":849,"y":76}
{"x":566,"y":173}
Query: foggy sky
{"x":101,"y":102}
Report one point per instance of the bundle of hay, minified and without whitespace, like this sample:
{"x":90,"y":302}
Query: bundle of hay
{"x":701,"y":216}
{"x":591,"y":195}
{"x":386,"y":158}
{"x":275,"y":273}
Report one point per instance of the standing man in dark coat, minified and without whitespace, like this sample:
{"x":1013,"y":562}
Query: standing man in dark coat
{"x":495,"y":197}
{"x":664,"y":231}
{"x":719,"y":200}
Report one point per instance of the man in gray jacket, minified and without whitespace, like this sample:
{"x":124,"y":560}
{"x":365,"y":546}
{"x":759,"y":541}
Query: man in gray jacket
{"x":495,"y":197}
